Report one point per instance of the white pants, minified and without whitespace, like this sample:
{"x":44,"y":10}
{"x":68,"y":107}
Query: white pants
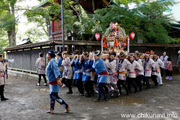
{"x":159,"y":78}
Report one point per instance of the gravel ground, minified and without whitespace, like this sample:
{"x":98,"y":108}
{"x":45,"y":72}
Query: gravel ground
{"x":30,"y":102}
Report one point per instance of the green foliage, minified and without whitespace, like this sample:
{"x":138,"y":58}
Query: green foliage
{"x":69,"y":18}
{"x":175,"y":40}
{"x":8,"y":21}
{"x":42,"y":16}
{"x":36,"y":35}
{"x":114,"y":14}
{"x":126,"y":2}
{"x":147,"y":21}
{"x":155,"y":24}
{"x":85,"y":23}
{"x":3,"y":41}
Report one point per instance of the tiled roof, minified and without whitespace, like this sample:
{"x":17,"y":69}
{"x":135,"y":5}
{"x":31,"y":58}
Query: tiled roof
{"x":154,"y":45}
{"x":83,"y":43}
{"x":55,"y":42}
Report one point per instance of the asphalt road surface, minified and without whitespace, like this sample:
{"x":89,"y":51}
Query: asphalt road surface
{"x":30,"y":102}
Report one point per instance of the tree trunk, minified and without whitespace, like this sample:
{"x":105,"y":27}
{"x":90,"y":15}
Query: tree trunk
{"x":12,"y":37}
{"x":12,"y":32}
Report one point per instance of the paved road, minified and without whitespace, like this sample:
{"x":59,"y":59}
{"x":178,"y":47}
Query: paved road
{"x":30,"y":102}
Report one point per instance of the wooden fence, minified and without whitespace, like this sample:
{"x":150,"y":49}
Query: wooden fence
{"x":26,"y":59}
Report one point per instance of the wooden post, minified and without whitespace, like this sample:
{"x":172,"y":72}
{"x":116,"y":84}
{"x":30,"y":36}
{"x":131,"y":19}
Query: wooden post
{"x":101,"y":45}
{"x":128,"y":45}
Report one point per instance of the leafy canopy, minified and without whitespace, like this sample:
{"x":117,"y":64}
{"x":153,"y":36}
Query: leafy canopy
{"x":147,"y":20}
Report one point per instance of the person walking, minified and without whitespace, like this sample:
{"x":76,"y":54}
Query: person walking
{"x":86,"y":77}
{"x":159,"y":64}
{"x":112,"y":79}
{"x":77,"y":77}
{"x":148,"y":65}
{"x":2,"y":77}
{"x":59,"y":62}
{"x":53,"y":76}
{"x":156,"y":70}
{"x":132,"y":73}
{"x":164,"y":58}
{"x":178,"y":61}
{"x":169,"y":69}
{"x":121,"y":67}
{"x":100,"y":68}
{"x":140,"y":73}
{"x":40,"y":64}
{"x":67,"y":73}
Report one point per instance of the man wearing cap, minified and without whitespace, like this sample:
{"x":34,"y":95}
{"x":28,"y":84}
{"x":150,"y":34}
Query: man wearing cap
{"x":178,"y":61}
{"x":53,"y":76}
{"x":121,"y":67}
{"x":148,"y":64}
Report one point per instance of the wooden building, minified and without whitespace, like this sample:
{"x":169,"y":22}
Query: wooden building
{"x":25,"y":55}
{"x":55,"y":32}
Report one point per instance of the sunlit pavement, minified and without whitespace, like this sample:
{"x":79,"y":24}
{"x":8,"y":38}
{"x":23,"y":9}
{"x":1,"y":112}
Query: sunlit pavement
{"x":30,"y":102}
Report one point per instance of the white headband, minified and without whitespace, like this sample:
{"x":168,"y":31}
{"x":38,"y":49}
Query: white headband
{"x":97,"y":53}
{"x":146,"y":54}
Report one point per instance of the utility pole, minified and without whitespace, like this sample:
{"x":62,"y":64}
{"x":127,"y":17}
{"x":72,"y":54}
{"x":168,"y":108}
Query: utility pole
{"x":62,"y":23}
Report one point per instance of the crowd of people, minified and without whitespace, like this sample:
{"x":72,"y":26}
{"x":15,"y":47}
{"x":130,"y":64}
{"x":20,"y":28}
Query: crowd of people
{"x":114,"y":72}
{"x":91,"y":73}
{"x":109,"y":73}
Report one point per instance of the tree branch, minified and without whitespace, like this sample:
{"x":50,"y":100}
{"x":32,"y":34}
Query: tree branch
{"x":74,"y":10}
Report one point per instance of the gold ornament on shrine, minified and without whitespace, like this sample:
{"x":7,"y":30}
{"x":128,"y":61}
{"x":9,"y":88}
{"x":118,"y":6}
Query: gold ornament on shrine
{"x":115,"y":40}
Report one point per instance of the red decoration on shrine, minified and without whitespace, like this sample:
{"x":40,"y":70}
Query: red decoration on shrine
{"x":112,"y":25}
{"x":124,"y":45}
{"x":98,"y":36}
{"x":117,"y":34}
{"x":116,"y":43}
{"x":104,"y":45}
{"x":132,"y":35}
